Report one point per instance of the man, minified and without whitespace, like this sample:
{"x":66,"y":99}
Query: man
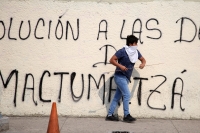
{"x":124,"y":60}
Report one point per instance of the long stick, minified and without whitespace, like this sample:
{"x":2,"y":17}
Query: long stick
{"x":130,"y":68}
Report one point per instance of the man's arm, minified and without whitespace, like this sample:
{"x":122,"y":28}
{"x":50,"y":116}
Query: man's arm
{"x":114,"y":59}
{"x":143,"y":62}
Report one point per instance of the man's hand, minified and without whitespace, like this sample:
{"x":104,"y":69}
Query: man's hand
{"x":141,"y":66}
{"x":143,"y":61}
{"x":123,"y":68}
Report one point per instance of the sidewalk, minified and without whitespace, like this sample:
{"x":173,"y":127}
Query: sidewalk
{"x":99,"y":125}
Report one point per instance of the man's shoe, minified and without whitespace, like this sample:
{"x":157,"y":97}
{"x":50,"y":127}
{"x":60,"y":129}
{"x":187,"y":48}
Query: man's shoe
{"x":112,"y":118}
{"x":129,"y":118}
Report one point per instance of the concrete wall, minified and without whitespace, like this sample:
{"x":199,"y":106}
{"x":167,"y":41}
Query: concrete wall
{"x":58,"y":51}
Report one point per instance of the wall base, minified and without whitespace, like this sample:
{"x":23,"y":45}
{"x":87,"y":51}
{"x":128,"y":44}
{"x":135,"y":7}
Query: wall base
{"x":4,"y":123}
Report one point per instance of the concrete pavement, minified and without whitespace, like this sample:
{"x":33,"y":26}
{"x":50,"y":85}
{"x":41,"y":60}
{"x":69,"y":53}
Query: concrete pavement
{"x":99,"y":125}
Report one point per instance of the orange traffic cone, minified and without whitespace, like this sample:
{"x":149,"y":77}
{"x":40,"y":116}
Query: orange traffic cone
{"x":53,"y":126}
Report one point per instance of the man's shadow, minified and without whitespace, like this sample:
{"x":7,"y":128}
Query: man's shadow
{"x":110,"y":88}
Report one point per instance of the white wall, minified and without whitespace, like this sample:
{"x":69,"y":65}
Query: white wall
{"x":169,"y":41}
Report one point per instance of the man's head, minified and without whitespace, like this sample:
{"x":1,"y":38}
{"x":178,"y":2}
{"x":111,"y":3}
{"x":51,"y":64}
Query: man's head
{"x":131,"y":40}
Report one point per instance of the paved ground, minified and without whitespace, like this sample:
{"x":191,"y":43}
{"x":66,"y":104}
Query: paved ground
{"x":99,"y":125}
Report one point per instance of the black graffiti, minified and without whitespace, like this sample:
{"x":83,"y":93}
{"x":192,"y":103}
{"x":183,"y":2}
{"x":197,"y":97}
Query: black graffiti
{"x":120,"y":132}
{"x":69,"y":25}
{"x":181,"y":29}
{"x":29,"y":77}
{"x":140,"y":30}
{"x":47,"y":73}
{"x":122,"y":30}
{"x":8,"y":80}
{"x":10,"y":29}
{"x":4,"y":29}
{"x":153,"y":29}
{"x":59,"y":29}
{"x":106,"y":53}
{"x":56,"y":31}
{"x":133,"y":30}
{"x":31,"y":88}
{"x":49,"y":33}
{"x":173,"y":92}
{"x":106,"y":29}
{"x":20,"y":30}
{"x":43,"y":23}
{"x":40,"y":25}
{"x":61,"y":81}
{"x":184,"y":71}
{"x":97,"y":85}
{"x":139,"y":93}
{"x":199,"y":33}
{"x":74,"y":97}
{"x":155,"y":90}
{"x":40,"y":87}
